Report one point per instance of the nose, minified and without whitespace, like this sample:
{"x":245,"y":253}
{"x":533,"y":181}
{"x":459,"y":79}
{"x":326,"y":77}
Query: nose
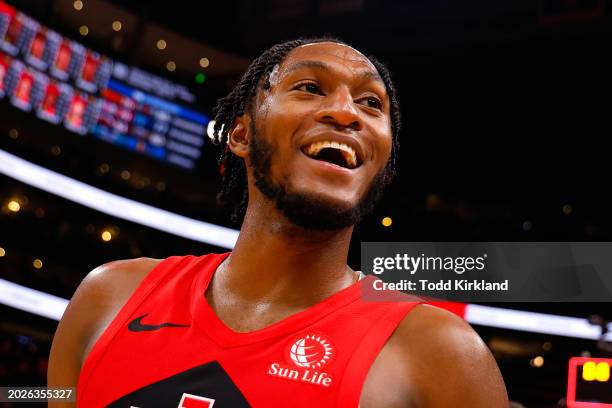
{"x":338,"y":109}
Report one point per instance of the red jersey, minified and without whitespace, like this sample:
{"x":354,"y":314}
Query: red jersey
{"x":167,"y":348}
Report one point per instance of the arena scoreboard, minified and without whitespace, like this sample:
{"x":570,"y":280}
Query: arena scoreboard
{"x":65,"y":83}
{"x":589,"y":384}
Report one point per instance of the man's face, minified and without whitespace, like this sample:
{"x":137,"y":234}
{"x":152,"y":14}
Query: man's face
{"x":321,"y":136}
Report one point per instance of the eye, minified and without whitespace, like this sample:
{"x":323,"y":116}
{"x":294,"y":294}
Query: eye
{"x":373,"y":102}
{"x":309,"y":87}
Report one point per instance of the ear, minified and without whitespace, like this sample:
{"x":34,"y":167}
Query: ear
{"x":239,"y":136}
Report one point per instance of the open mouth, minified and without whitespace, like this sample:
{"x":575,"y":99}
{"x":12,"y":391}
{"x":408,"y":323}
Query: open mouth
{"x":336,"y":153}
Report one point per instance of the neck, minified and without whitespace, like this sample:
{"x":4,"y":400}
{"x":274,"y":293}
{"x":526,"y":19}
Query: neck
{"x":277,"y":262}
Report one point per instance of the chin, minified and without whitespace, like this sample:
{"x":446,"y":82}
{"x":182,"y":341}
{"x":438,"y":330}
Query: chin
{"x":318,"y":211}
{"x":334,"y":200}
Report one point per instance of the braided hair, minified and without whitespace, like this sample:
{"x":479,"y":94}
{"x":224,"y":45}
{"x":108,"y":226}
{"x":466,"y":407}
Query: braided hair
{"x":234,"y":188}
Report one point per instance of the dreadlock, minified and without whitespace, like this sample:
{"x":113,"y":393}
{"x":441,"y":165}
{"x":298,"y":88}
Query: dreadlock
{"x":234,"y":182}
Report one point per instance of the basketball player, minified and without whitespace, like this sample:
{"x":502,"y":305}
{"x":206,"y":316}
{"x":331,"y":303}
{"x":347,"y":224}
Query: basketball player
{"x":310,"y":136}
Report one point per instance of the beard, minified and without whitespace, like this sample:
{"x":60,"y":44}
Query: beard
{"x":307,"y":210}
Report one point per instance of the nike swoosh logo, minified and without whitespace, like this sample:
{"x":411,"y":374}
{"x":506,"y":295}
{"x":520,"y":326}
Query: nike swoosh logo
{"x":136,"y":325}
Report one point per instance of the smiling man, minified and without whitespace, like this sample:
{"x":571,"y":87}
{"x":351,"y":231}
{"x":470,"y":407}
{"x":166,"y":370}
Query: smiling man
{"x":310,"y":136}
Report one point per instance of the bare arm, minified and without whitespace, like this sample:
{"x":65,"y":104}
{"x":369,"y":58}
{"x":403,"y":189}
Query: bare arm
{"x":434,"y":360}
{"x":93,"y":306}
{"x":450,"y":364}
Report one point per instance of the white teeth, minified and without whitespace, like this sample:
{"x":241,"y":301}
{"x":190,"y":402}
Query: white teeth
{"x":349,"y":154}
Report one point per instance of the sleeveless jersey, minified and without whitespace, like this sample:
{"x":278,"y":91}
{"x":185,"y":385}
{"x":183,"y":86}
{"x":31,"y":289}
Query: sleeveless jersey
{"x":167,"y":348}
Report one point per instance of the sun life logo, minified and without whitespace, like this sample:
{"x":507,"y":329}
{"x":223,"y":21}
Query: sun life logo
{"x":305,"y":355}
{"x":311,"y":351}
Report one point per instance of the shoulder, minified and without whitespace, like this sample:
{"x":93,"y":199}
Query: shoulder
{"x":114,"y":278}
{"x":436,"y":327}
{"x":455,"y":366}
{"x":93,"y":306}
{"x":434,"y":359}
{"x":103,"y":292}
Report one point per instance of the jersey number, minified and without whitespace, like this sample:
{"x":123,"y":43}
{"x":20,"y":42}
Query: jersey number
{"x":195,"y":401}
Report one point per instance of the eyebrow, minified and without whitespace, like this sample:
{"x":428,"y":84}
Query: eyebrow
{"x":318,"y":65}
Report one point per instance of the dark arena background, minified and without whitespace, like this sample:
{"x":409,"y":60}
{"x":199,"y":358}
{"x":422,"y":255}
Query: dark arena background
{"x":104,"y":153}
